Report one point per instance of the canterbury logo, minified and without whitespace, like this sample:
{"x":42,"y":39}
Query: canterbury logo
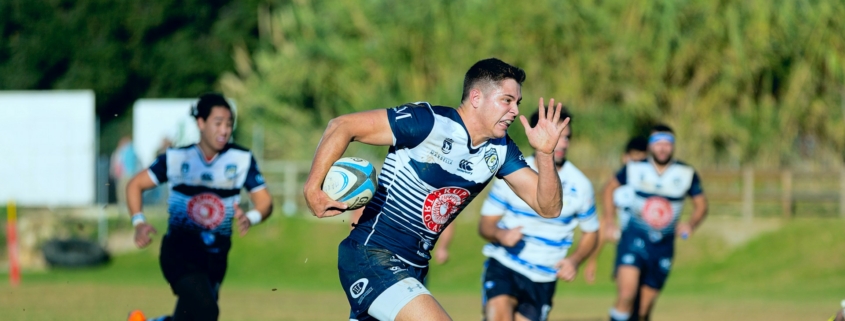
{"x":465,"y":165}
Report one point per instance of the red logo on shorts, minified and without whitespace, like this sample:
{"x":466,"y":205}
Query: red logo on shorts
{"x":207,"y":210}
{"x":657,"y":212}
{"x":440,"y":205}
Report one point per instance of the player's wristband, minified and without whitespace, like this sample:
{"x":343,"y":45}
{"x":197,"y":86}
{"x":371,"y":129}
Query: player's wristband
{"x":254,"y":216}
{"x":138,"y":218}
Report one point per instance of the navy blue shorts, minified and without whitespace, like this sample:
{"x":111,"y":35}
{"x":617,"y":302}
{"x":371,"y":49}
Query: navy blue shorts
{"x":534,"y":299}
{"x":376,"y":282}
{"x":652,"y":258}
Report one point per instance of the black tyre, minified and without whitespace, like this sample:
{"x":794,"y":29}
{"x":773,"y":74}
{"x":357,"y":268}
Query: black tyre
{"x":74,"y":253}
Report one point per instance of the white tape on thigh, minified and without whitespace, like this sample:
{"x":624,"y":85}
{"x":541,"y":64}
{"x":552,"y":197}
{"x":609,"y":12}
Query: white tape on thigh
{"x":387,"y":305}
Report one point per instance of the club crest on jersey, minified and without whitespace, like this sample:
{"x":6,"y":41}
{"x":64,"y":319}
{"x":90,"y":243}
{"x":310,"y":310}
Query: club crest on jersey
{"x":657,"y":212}
{"x":207,"y":210}
{"x":447,"y":146}
{"x":440,"y":205}
{"x":231,"y":171}
{"x":492,"y":159}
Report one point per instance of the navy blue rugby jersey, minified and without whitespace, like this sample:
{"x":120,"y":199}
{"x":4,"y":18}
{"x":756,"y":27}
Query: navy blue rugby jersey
{"x":203,"y":193}
{"x":430,"y":174}
{"x":658,"y":198}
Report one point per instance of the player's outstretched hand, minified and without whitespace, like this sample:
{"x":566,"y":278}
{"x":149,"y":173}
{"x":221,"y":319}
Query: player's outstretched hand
{"x":509,"y":237}
{"x":543,"y":137}
{"x":441,"y":255}
{"x":321,"y":205}
{"x":566,"y":269}
{"x":243,"y":221}
{"x":142,"y":234}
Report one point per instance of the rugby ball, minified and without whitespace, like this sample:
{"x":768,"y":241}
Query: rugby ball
{"x":351,"y":180}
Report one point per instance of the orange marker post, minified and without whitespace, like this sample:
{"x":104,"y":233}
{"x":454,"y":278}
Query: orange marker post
{"x":12,"y":243}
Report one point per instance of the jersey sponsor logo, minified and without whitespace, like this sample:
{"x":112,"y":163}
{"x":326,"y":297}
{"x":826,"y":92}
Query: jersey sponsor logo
{"x":440,"y":205}
{"x":401,"y":113}
{"x":492,"y":159}
{"x":185,"y":168}
{"x":357,"y":288}
{"x":465,"y":166}
{"x":206,"y":177}
{"x":447,"y":146}
{"x":231,"y":171}
{"x":207,"y":210}
{"x":657,"y":212}
{"x":439,"y":157}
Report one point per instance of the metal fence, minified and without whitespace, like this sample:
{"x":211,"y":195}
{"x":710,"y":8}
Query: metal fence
{"x":746,"y":192}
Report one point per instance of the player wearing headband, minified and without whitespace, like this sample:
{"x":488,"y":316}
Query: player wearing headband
{"x":646,"y":247}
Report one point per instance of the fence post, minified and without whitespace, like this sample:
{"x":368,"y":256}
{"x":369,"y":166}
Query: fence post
{"x":289,"y":207}
{"x":786,"y":193}
{"x":842,"y":192}
{"x":748,"y":193}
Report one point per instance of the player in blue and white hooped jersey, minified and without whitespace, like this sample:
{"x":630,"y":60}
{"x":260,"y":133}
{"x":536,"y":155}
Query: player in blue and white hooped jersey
{"x":205,"y":181}
{"x":646,"y":247}
{"x":440,"y":158}
{"x":527,"y":253}
{"x":623,"y":197}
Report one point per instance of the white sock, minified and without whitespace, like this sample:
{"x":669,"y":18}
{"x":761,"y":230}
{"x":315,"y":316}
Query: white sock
{"x":619,"y":316}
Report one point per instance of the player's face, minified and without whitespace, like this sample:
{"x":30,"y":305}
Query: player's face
{"x":562,"y":145}
{"x":500,"y":106}
{"x":216,"y":130}
{"x":662,"y":151}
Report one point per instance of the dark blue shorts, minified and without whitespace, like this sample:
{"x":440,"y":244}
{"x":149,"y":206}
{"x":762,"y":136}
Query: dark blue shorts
{"x":534,"y":299}
{"x":652,"y":258}
{"x":367,"y":272}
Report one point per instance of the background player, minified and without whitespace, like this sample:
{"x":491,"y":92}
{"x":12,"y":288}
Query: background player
{"x":440,"y":158}
{"x":527,"y":253}
{"x":646,"y":247}
{"x":635,"y":150}
{"x":205,"y":182}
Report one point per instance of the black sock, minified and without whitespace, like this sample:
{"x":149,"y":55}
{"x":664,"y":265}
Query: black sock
{"x":197,"y":299}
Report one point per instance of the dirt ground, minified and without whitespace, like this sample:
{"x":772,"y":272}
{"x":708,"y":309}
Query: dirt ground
{"x":68,"y":302}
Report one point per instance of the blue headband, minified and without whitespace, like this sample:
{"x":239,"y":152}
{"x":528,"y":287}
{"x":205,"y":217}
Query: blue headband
{"x":656,"y":137}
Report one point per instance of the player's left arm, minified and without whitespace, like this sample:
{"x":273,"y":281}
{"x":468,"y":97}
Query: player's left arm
{"x":699,"y":208}
{"x":541,"y":190}
{"x":260,"y":198}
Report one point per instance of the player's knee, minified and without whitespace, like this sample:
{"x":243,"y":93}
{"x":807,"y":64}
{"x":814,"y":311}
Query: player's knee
{"x":500,"y":307}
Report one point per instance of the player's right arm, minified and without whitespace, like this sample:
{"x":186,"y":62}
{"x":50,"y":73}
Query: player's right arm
{"x":398,"y":126}
{"x":156,"y":174}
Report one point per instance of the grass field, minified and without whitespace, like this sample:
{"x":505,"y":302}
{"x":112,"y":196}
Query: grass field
{"x":286,"y":270}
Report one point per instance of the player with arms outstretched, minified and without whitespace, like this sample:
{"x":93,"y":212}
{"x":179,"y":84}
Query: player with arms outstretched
{"x":440,"y":158}
{"x":205,"y":182}
{"x":646,"y":247}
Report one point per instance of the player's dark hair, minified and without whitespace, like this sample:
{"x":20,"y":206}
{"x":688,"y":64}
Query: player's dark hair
{"x":661,"y":128}
{"x":638,"y":143}
{"x":490,"y":70}
{"x":207,"y":101}
{"x":564,"y":112}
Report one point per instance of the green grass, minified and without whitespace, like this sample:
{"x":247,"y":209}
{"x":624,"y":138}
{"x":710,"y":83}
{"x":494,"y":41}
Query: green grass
{"x":797,"y":268}
{"x":802,"y":258}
